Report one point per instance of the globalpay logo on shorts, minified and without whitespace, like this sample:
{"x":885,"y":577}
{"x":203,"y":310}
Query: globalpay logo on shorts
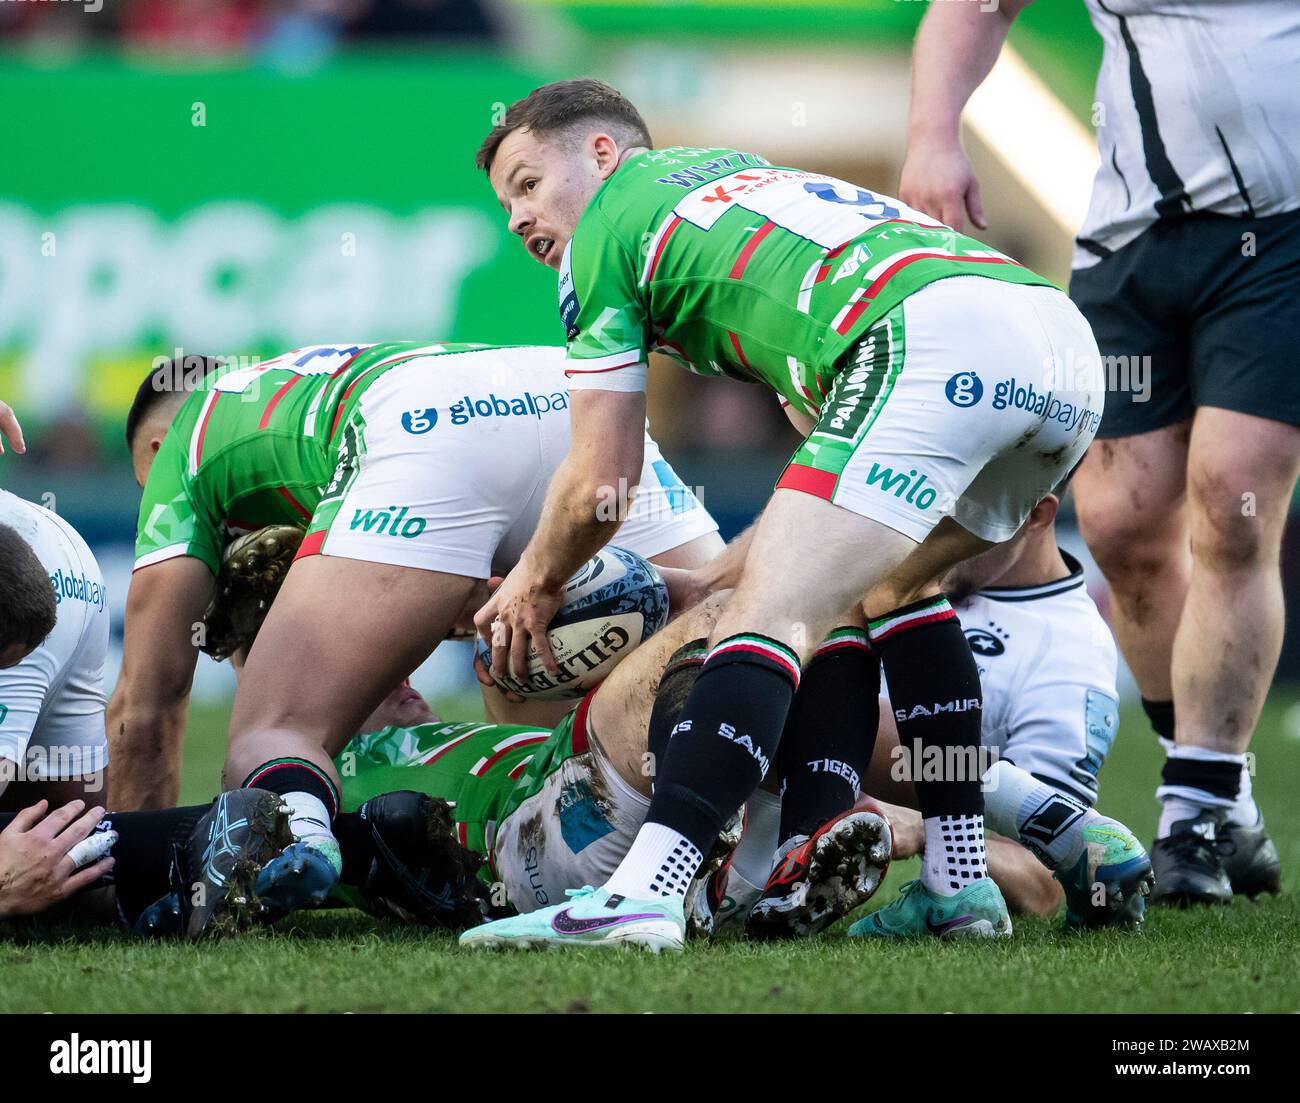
{"x":964,"y":389}
{"x":1044,"y":404}
{"x":471,"y":409}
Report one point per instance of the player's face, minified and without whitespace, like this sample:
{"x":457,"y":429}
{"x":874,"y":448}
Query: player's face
{"x":402,"y":708}
{"x":544,"y":186}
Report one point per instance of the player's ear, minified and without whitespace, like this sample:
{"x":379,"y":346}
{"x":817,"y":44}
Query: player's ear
{"x":607,"y":154}
{"x":1044,"y":513}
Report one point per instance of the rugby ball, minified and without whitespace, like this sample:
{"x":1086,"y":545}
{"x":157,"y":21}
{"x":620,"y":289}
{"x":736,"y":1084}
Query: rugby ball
{"x":614,"y":602}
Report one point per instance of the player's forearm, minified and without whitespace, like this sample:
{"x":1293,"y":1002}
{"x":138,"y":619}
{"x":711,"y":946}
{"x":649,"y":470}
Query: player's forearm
{"x":587,"y":501}
{"x":145,"y":751}
{"x":956,"y":47}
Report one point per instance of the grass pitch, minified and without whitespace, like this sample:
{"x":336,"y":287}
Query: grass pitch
{"x":1245,"y":957}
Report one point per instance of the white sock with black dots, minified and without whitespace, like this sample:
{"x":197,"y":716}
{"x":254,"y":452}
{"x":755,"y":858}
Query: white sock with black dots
{"x":954,"y":853}
{"x":661,"y":862}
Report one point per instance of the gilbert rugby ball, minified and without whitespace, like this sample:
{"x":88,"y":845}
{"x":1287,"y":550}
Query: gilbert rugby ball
{"x":615,"y":601}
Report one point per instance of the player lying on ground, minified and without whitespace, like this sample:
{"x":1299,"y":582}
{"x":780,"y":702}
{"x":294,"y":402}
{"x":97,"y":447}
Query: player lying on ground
{"x":400,"y":855}
{"x":933,"y":378}
{"x":418,"y":470}
{"x":1047,"y":667}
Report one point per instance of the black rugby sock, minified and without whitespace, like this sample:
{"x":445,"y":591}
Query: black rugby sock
{"x":934,"y":690}
{"x":829,"y":734}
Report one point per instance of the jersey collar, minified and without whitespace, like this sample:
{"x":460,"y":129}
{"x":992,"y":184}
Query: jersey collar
{"x":1072,"y":581}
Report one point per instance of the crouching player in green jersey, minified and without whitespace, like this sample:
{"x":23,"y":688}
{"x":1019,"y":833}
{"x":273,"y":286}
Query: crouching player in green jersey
{"x":417,"y":470}
{"x":942,"y":387}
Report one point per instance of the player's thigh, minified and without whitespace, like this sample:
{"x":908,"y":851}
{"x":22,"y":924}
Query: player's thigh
{"x":619,"y":711}
{"x":1241,"y":473}
{"x":795,"y":589}
{"x":340,"y":635}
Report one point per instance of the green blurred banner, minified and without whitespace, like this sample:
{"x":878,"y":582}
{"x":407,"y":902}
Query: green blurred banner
{"x":242,"y":212}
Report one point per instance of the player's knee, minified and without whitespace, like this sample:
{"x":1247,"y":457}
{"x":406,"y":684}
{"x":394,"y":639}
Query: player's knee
{"x":1235,"y":525}
{"x":1125,"y":539}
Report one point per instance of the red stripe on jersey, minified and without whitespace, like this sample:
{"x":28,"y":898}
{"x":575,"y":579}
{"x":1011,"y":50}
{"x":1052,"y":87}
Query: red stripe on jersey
{"x":758,"y":235}
{"x":581,"y":742}
{"x":275,"y":398}
{"x":203,"y":429}
{"x":825,"y":269}
{"x":351,"y":387}
{"x":858,"y":308}
{"x":505,"y":751}
{"x":659,"y":251}
{"x":311,"y":545}
{"x":809,"y":480}
{"x":302,"y":510}
{"x":514,"y":774}
{"x":600,"y":371}
{"x":740,"y":355}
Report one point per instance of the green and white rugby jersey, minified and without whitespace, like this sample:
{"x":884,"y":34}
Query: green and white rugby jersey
{"x":485,"y":770}
{"x":255,"y":446}
{"x":743,"y":269}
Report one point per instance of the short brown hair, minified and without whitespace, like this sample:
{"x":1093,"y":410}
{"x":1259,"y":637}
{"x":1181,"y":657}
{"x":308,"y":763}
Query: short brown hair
{"x":27,"y":606}
{"x":561,"y":104}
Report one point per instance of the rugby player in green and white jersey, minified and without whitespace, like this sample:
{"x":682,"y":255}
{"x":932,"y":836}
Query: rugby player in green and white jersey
{"x":418,"y":471}
{"x":943,"y":390}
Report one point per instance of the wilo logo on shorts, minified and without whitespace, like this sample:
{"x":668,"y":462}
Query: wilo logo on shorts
{"x":906,"y":486}
{"x":526,"y":405}
{"x":1044,"y":405}
{"x":388,"y":522}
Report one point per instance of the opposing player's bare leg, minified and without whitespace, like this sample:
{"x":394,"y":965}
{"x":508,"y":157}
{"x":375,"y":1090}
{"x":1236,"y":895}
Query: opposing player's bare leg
{"x":1131,"y":498}
{"x":353,"y":629}
{"x":1225,"y":479}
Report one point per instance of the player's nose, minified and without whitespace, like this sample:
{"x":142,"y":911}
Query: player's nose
{"x":521,"y":220}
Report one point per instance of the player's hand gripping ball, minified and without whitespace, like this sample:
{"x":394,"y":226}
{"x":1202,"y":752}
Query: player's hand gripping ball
{"x":614,"y":602}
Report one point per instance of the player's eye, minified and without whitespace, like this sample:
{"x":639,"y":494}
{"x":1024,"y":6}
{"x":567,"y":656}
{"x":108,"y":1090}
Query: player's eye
{"x":530,"y":184}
